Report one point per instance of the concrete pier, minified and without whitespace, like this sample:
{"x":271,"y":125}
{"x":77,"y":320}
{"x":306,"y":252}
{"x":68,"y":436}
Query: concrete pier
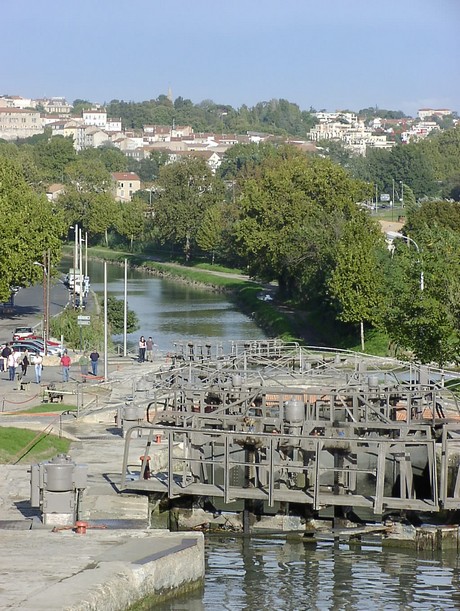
{"x":103,"y":569}
{"x":120,"y":561}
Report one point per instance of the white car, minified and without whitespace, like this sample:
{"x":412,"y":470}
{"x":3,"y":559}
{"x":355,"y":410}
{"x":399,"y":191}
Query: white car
{"x":23,"y":333}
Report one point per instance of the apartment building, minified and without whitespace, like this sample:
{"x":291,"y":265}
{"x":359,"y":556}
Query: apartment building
{"x":425,"y":113}
{"x":125,"y":184}
{"x":94,"y":117}
{"x":55,"y":106}
{"x":19,"y":123}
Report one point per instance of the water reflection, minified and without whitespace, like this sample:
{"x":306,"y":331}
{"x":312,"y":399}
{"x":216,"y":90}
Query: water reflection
{"x":264,"y":574}
{"x":170,"y":311}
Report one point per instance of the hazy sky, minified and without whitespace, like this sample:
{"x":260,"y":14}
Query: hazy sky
{"x":331,"y":54}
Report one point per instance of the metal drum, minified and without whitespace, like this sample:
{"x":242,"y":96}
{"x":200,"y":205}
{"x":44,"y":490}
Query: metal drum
{"x":132,"y":413}
{"x":373,"y":381}
{"x":294,"y":411}
{"x":59,"y":474}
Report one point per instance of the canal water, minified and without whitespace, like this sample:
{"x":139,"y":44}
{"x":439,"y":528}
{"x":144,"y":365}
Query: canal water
{"x":265,"y":573}
{"x":170,"y":311}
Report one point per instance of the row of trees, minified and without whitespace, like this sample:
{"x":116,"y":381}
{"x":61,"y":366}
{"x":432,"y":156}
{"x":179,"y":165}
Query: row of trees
{"x":30,"y":226}
{"x":278,"y":212}
{"x":278,"y":116}
{"x":294,"y":218}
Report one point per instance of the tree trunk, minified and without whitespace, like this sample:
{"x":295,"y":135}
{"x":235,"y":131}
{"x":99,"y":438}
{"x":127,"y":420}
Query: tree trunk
{"x":362,"y":335}
{"x":187,"y":248}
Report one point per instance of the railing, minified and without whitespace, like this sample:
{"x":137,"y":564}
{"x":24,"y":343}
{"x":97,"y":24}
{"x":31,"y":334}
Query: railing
{"x":374,"y":472}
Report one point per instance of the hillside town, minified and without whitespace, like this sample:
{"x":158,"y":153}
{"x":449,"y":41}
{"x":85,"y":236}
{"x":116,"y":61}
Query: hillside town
{"x":25,"y":117}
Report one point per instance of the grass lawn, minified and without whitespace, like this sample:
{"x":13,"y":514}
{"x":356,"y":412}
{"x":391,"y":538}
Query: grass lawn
{"x":26,"y":446}
{"x":48,"y":407}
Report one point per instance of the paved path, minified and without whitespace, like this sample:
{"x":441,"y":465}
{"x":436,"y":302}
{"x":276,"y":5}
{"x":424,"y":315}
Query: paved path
{"x":114,"y":564}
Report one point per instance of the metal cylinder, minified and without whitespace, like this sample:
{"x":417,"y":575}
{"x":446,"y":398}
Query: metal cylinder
{"x":294,"y":411}
{"x":373,"y":381}
{"x":132,"y":412}
{"x":59,"y":474}
{"x":237,"y":381}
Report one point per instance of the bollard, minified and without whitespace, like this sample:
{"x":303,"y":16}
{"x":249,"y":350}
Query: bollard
{"x":147,"y":466}
{"x":80,"y":527}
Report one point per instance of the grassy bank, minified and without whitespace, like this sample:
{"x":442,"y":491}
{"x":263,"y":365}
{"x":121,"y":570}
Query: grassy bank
{"x":26,"y":446}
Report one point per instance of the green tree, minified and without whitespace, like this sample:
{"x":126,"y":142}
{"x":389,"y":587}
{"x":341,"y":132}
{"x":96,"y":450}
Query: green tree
{"x":187,"y":189}
{"x":241,"y":159}
{"x":437,"y":213}
{"x":291,"y":215}
{"x":79,"y":106}
{"x":115,"y":317}
{"x":101,"y":215}
{"x":210,"y":233}
{"x":112,"y":158}
{"x":88,"y":175}
{"x":426,"y":322}
{"x":53,"y":155}
{"x":355,"y":284}
{"x":131,"y":220}
{"x":31,"y":227}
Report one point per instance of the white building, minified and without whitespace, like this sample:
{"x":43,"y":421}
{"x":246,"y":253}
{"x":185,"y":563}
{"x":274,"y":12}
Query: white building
{"x":94,"y":117}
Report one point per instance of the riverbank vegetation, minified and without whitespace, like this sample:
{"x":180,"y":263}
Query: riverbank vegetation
{"x":295,"y":220}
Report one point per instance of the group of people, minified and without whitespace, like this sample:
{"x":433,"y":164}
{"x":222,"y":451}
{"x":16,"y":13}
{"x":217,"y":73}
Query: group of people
{"x":145,"y":349}
{"x":84,"y":362}
{"x":11,"y":360}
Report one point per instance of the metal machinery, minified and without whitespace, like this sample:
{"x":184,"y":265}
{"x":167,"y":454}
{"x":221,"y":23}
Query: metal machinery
{"x":55,"y":488}
{"x":279,"y":426}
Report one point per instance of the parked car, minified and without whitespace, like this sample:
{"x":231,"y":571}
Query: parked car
{"x":34,"y":345}
{"x":23,"y":333}
{"x":51,"y":342}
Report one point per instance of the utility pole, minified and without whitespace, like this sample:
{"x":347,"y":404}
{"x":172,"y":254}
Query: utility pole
{"x":45,"y":302}
{"x":80,"y":267}
{"x":125,"y":312}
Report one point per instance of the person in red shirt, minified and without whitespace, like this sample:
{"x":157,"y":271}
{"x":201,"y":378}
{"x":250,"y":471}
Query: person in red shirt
{"x":65,"y":362}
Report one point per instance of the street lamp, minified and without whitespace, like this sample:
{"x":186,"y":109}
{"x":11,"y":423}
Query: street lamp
{"x":46,"y":266}
{"x":393,"y":235}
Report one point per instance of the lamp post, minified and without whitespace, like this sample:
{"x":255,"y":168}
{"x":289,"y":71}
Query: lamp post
{"x":393,"y":235}
{"x":46,"y":288}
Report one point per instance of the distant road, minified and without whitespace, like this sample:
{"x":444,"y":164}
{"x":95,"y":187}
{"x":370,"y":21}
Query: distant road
{"x":28,"y":307}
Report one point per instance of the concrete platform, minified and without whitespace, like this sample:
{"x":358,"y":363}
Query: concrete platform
{"x":103,"y":569}
{"x":119,"y":561}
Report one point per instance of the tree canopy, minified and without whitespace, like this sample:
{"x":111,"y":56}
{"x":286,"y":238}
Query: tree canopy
{"x":32,"y":226}
{"x":187,"y":190}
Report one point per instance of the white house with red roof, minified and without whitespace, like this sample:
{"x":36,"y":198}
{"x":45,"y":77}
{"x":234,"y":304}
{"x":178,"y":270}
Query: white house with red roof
{"x":125,"y":184}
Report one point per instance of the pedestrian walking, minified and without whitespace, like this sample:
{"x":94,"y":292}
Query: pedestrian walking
{"x":142,"y":348}
{"x":38,"y":366}
{"x":94,"y":358}
{"x":25,"y":362}
{"x":84,"y":363}
{"x":149,"y":349}
{"x":5,"y":354}
{"x":65,"y":362}
{"x":11,"y":366}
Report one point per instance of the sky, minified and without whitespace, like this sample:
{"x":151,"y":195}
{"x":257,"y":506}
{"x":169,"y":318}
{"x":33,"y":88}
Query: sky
{"x":327,"y":54}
